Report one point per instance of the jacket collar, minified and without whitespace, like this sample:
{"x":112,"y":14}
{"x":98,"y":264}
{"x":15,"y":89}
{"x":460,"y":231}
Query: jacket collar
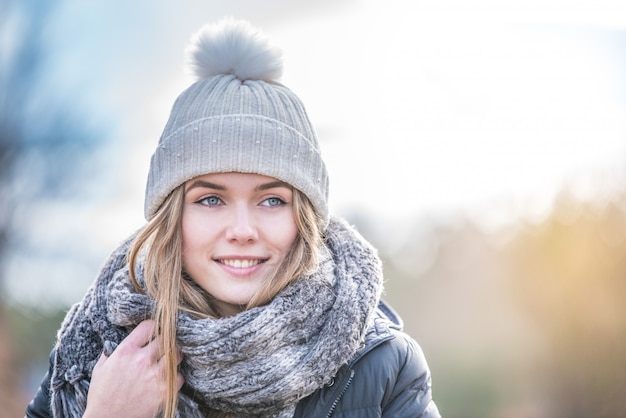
{"x":385,"y":319}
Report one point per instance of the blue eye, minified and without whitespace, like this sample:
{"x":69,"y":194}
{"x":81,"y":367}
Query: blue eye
{"x":274,"y":201}
{"x":210,"y":201}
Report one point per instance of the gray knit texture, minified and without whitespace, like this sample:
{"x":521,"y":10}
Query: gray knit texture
{"x":259,"y":363}
{"x":223,"y":123}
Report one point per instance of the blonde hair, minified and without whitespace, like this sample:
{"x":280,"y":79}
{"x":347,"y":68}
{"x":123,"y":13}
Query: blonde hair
{"x":173,"y":290}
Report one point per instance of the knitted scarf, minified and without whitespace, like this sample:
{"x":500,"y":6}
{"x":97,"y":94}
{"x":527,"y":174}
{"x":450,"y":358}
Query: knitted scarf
{"x":258,"y":363}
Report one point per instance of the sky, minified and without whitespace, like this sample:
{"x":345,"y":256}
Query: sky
{"x":438,"y":105}
{"x":423,"y":108}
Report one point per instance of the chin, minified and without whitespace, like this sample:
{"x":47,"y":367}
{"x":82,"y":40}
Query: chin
{"x":238,"y":300}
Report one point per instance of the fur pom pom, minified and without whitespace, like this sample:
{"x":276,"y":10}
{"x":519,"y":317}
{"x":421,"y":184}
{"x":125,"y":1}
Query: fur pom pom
{"x":233,"y":47}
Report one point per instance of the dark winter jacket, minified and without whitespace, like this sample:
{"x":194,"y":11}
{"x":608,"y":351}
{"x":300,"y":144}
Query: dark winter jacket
{"x":388,"y":377}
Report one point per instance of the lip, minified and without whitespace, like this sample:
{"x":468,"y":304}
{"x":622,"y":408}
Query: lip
{"x":240,"y":265}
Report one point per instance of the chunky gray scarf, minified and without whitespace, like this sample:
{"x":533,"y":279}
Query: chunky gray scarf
{"x":258,"y":363}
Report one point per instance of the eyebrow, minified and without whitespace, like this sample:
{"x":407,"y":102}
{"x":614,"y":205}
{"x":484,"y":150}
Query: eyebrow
{"x":206,"y":184}
{"x":272,"y":185}
{"x":260,"y":187}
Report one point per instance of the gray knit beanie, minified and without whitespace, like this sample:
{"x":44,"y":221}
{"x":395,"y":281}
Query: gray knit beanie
{"x":237,"y":118}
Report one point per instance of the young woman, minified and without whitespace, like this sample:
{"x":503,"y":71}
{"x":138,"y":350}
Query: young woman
{"x":241,"y":296}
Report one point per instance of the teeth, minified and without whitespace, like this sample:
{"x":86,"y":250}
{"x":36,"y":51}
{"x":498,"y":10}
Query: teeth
{"x":240,"y":264}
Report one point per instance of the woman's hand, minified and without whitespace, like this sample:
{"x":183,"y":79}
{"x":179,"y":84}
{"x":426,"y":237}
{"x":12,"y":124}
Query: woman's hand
{"x":131,"y":382}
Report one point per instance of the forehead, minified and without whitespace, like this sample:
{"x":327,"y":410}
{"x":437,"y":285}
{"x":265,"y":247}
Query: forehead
{"x":224,"y":181}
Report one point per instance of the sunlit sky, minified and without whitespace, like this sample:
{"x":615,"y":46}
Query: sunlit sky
{"x":423,"y":108}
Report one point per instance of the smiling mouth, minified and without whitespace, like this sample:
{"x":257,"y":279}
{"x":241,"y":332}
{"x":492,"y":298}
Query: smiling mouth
{"x":240,"y":264}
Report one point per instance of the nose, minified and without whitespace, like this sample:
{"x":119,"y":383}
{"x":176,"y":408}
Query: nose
{"x":242,"y":228}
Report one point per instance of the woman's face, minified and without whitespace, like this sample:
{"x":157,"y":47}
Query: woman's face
{"x":237,"y":229}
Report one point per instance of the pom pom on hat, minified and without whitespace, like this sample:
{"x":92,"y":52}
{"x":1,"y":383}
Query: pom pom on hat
{"x":233,"y":47}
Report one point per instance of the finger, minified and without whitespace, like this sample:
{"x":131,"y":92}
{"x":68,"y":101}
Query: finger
{"x":141,"y":335}
{"x":161,"y":358}
{"x":100,"y":363}
{"x":103,"y":357}
{"x":154,"y":349}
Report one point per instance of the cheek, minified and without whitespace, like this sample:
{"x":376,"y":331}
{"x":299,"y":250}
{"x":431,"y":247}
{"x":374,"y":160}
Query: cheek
{"x":194,"y":232}
{"x":195,"y":243}
{"x":188,"y":245}
{"x":187,"y":233}
{"x":288,"y":234}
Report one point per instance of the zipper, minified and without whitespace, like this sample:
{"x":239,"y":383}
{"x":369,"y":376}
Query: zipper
{"x":351,"y":364}
{"x":336,"y":402}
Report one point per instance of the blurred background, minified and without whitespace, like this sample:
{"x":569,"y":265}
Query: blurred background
{"x":479,"y":144}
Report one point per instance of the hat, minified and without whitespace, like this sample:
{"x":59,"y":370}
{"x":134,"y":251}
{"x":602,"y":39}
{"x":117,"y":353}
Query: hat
{"x":237,"y":118}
